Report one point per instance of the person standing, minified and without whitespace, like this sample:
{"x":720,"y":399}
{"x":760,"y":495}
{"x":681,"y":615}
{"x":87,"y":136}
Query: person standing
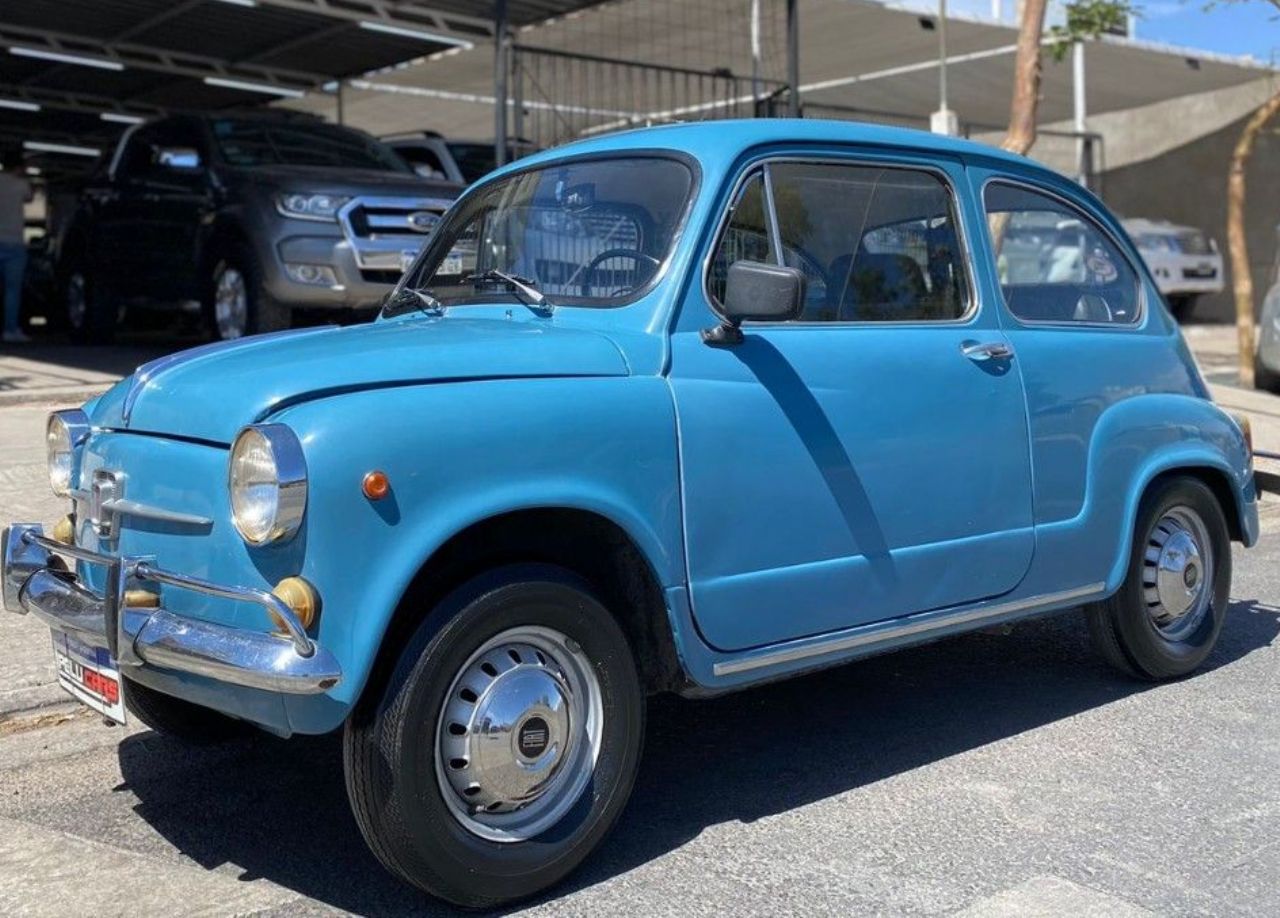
{"x":15,"y":192}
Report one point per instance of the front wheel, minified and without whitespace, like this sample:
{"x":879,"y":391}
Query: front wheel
{"x":505,"y":743}
{"x":236,"y":301}
{"x":1166,"y":617}
{"x":1182,"y":305}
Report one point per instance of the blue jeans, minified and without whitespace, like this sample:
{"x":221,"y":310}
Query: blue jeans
{"x":13,"y":261}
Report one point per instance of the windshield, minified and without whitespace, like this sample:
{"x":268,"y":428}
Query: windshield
{"x":258,"y":142}
{"x":587,"y":233}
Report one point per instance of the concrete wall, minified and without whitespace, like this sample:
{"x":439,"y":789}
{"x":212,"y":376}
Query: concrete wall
{"x":1187,"y":185}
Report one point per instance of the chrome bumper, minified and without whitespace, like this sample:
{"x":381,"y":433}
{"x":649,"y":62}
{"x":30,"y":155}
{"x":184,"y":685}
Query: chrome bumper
{"x":35,"y":580}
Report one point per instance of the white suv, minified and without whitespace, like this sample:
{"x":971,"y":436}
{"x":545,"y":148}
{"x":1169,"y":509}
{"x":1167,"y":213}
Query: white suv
{"x":1184,"y":261}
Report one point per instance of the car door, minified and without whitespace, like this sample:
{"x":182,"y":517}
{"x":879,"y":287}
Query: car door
{"x":869,"y":460}
{"x":121,"y":248}
{"x":176,"y":199}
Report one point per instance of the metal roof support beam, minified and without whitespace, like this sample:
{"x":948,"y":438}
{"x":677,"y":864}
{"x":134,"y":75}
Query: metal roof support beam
{"x":793,"y":58}
{"x":501,"y":70}
{"x":410,"y":15}
{"x":159,"y":60}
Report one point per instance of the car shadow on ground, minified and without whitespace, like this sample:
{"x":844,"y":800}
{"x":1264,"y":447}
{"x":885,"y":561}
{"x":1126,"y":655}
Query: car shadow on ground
{"x":278,"y":810}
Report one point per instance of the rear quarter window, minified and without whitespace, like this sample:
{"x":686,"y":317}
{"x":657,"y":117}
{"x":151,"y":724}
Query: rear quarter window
{"x":1055,"y":263}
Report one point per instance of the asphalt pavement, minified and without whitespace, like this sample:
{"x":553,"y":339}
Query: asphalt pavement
{"x":987,"y":775}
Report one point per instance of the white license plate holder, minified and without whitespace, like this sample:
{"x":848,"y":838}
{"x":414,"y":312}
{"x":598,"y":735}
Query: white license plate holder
{"x":90,"y":675}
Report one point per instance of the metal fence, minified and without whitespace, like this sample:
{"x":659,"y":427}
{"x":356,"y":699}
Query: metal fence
{"x":558,"y":96}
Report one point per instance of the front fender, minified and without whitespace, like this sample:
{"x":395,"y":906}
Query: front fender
{"x":457,"y":454}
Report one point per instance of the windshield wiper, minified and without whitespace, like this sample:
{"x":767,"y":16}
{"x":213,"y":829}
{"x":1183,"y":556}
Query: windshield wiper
{"x":521,"y":285}
{"x":407,"y":298}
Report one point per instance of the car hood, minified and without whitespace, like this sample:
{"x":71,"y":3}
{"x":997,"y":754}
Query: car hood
{"x":210,"y":392}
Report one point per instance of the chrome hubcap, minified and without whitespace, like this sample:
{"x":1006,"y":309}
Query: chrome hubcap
{"x":1178,"y":573}
{"x":519,"y":734}
{"x":76,"y":300}
{"x":230,"y":304}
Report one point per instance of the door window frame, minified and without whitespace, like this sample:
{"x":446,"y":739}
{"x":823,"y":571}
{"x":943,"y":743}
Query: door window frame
{"x":973,"y":299}
{"x":1141,"y":280}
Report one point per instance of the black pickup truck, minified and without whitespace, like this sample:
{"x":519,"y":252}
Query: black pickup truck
{"x":251,"y":216}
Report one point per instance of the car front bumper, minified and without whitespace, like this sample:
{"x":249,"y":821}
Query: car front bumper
{"x":35,"y":580}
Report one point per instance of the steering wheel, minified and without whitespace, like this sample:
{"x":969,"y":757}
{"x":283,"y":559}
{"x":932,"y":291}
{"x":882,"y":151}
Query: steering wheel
{"x":635,"y":254}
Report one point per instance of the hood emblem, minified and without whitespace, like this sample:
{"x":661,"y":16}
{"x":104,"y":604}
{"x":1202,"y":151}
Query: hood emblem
{"x":105,"y":490}
{"x":423,"y":221}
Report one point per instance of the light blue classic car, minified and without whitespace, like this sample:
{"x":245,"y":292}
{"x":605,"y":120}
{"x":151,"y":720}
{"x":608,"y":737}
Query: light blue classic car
{"x":684,"y":409}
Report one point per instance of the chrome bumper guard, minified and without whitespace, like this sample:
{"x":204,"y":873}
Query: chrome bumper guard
{"x":35,"y":580}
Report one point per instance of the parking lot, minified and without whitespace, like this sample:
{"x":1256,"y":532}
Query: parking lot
{"x":994,"y":774}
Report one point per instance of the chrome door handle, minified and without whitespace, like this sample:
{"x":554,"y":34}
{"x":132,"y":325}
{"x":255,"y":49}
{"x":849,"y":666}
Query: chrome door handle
{"x":990,"y":350}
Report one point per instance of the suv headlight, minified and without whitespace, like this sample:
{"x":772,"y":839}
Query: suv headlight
{"x":267,"y":479}
{"x":64,"y":433}
{"x":306,"y":206}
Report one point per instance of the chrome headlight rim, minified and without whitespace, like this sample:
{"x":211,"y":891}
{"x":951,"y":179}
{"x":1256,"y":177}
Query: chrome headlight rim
{"x":290,"y":483}
{"x":72,"y":426}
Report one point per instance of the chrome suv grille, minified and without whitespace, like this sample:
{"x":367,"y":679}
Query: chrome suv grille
{"x":387,"y":232}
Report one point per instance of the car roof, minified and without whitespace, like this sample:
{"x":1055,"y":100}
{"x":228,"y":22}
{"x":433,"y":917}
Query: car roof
{"x":712,"y":139}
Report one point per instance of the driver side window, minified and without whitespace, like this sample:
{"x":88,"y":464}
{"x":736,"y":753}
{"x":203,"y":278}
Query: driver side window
{"x":875,"y":244}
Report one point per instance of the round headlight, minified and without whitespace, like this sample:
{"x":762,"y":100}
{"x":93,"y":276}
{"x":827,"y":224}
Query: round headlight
{"x":65,"y":431}
{"x":267,"y":478}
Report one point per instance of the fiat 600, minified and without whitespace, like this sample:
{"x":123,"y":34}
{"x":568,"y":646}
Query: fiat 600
{"x":684,"y":409}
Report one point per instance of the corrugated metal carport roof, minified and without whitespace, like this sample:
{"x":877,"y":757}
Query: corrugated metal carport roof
{"x":74,"y":72}
{"x":869,"y":59}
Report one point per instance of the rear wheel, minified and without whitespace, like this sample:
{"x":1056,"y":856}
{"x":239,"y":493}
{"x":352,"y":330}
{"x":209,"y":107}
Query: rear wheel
{"x":505,"y":744}
{"x":1166,"y":617}
{"x":177,"y":718}
{"x":236,"y":301}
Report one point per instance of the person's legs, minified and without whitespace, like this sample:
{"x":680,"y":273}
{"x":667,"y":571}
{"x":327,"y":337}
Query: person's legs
{"x":13,"y":260}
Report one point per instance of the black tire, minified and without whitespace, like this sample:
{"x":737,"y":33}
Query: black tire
{"x":88,"y":306}
{"x":261,"y":312}
{"x":1263,"y":378}
{"x":1182,"y":306}
{"x":1123,"y":627}
{"x":179,"y":719}
{"x":390,"y":743}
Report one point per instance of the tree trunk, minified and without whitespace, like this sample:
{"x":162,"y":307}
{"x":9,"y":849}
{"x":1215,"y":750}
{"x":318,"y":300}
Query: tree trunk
{"x":1026,"y":79}
{"x":1242,"y":277}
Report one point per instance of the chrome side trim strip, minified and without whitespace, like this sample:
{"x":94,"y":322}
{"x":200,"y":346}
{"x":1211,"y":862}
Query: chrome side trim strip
{"x":895,"y":629}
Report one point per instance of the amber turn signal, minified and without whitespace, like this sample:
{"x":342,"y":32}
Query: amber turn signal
{"x":64,"y":531}
{"x":300,"y":597}
{"x":376,"y":485}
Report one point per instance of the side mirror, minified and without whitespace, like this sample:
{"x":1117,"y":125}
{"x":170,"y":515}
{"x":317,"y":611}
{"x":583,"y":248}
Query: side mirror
{"x":754,"y":290}
{"x":179,"y":159}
